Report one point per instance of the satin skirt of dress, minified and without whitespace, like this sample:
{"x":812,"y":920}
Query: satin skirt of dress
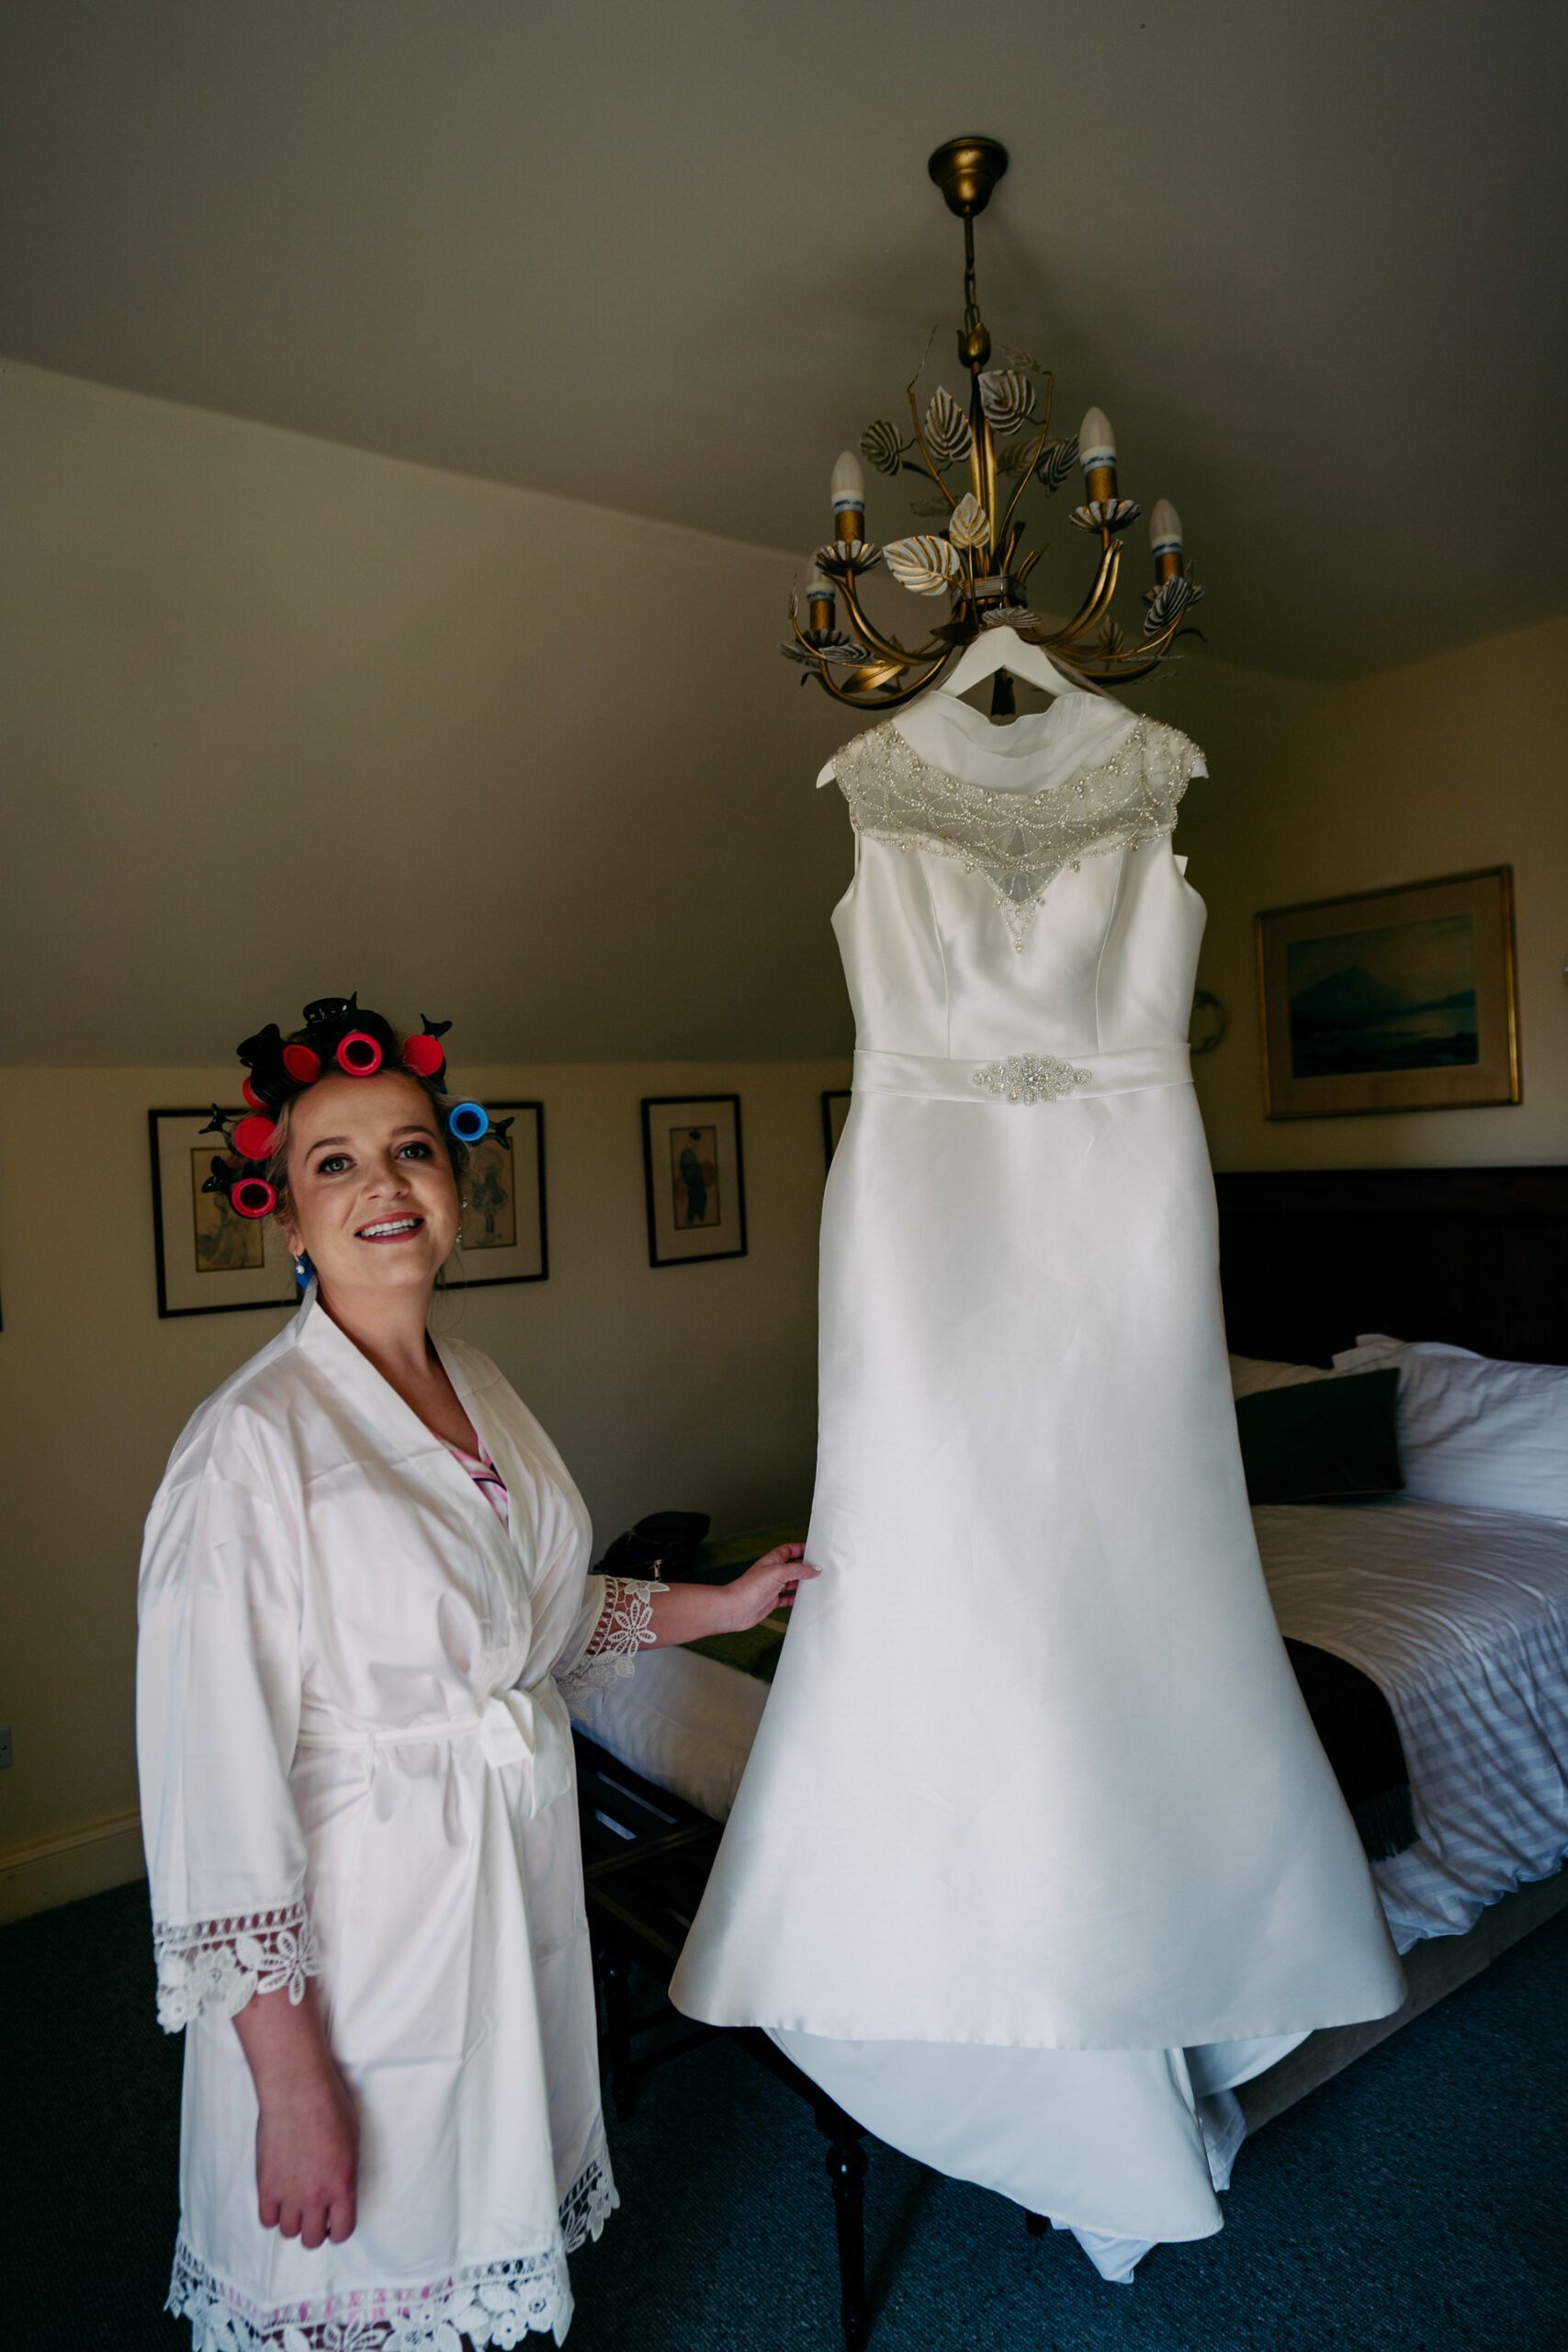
{"x":1124,"y":2147}
{"x":1035,"y":1770}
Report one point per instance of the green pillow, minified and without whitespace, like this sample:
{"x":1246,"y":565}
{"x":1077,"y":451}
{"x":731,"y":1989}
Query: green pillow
{"x":1322,"y":1438}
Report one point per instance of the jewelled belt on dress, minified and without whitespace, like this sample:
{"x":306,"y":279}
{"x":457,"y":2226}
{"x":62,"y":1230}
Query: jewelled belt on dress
{"x":1024,"y":1077}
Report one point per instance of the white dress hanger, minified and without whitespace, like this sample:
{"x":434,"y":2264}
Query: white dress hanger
{"x":1003,"y":648}
{"x":994,"y":649}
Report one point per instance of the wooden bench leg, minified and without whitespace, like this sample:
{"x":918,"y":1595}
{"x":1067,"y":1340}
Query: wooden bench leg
{"x":615,"y":1976}
{"x":846,"y":2170}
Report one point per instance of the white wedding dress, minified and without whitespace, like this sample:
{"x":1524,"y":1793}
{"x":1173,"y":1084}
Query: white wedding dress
{"x":1035,"y":1807}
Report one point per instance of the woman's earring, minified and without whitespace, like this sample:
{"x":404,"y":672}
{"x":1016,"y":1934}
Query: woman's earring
{"x":304,"y":1272}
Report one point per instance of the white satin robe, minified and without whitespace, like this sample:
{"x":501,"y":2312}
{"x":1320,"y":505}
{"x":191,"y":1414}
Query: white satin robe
{"x":1035,"y":1773}
{"x":354,"y":1761}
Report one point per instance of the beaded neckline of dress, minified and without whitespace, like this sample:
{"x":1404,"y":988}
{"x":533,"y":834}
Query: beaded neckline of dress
{"x":1019,"y":841}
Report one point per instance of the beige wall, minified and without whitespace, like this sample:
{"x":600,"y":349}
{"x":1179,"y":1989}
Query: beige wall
{"x":1450,"y":764}
{"x":684,"y":1387}
{"x":280,"y":717}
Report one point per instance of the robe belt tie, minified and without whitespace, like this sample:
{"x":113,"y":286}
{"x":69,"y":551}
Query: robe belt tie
{"x":1024,"y":1078}
{"x":529,"y":1727}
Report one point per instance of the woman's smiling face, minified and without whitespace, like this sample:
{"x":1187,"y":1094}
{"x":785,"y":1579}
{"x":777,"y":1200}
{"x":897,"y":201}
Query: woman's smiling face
{"x":371,"y":1194}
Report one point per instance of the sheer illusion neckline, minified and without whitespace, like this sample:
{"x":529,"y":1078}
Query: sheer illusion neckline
{"x":1035,"y":735}
{"x":1019,"y":840}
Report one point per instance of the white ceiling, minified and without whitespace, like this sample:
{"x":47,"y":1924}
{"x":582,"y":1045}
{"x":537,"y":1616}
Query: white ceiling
{"x":670,"y":257}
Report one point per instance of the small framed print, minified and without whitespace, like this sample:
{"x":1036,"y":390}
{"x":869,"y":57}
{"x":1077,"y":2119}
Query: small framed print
{"x":692,"y":1166}
{"x":503,"y":1236}
{"x":210,"y":1261}
{"x":835,"y":1111}
{"x":1395,"y":999}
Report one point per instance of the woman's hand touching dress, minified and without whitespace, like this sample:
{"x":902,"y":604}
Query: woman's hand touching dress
{"x":687,"y":1613}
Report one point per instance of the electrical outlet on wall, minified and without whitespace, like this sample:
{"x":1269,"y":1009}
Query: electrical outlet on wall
{"x":5,"y":1747}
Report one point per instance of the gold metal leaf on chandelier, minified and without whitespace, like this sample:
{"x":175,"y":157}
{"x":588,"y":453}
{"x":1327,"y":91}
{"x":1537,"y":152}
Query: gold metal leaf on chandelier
{"x":1168,"y":602}
{"x":948,"y":436}
{"x":881,"y":447}
{"x":1008,"y":398}
{"x":929,"y":566}
{"x":1057,"y":463}
{"x":970,"y":525}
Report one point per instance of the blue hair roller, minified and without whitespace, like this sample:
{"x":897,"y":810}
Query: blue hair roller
{"x":469,"y":1122}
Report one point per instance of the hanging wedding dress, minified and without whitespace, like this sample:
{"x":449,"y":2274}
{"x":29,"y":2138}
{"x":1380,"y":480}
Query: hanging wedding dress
{"x":1035,"y":1807}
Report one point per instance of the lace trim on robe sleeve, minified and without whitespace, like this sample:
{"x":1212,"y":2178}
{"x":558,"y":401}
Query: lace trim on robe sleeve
{"x":625,"y":1626}
{"x":220,"y":1964}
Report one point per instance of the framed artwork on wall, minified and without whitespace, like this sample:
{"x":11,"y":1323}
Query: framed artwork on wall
{"x":505,"y":1236}
{"x":694,"y":1179}
{"x":210,"y":1261}
{"x":835,"y":1111}
{"x":1397,"y":999}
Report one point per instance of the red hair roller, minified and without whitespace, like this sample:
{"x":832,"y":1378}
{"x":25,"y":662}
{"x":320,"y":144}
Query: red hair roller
{"x":423,"y":1055}
{"x":302,"y":1063}
{"x":252,"y":1196}
{"x":253,"y":1139}
{"x":252,"y":1097}
{"x":358,"y":1055}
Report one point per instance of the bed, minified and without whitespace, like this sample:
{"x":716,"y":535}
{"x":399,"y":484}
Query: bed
{"x":1450,"y":1612}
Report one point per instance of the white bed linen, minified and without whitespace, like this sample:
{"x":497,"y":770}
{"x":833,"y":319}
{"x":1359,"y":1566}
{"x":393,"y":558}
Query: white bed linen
{"x":1461,"y":1618}
{"x":685,"y":1722}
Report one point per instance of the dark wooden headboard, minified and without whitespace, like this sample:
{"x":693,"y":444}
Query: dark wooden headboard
{"x":1476,"y":1256}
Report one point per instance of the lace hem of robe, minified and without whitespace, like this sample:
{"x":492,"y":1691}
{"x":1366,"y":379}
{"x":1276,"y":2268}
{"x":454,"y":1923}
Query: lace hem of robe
{"x":625,"y":1626}
{"x":220,"y":1964}
{"x":1019,"y":841}
{"x":489,"y":2302}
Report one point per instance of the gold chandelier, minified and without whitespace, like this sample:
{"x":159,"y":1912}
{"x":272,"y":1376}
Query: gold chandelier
{"x":997,"y":449}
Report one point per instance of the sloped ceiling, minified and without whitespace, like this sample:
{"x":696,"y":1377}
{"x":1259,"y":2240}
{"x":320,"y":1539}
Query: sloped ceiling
{"x":670,"y":257}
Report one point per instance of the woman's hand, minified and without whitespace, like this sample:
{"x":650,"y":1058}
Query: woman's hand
{"x":768,"y":1584}
{"x":688,"y":1612}
{"x":308,"y":2133}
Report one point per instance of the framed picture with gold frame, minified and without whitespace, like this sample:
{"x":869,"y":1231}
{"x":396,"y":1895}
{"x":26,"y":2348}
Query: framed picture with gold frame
{"x":1400,"y":999}
{"x":209,"y":1262}
{"x":693,"y":1178}
{"x":505,"y":1236}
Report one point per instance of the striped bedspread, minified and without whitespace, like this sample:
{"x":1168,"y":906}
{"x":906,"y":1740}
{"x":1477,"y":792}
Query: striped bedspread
{"x":1461,"y":1618}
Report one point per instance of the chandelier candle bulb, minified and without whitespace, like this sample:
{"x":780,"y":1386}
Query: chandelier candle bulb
{"x":1166,"y":539}
{"x":1096,"y":455}
{"x":847,"y":491}
{"x":820,"y":601}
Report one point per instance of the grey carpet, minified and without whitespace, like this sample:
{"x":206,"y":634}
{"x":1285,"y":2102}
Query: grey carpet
{"x":1414,"y":2205}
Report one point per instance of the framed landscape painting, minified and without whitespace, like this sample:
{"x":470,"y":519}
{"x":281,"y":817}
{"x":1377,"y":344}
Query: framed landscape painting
{"x":210,"y":1261}
{"x":503,"y":1236}
{"x":1391,"y":1000}
{"x":694,"y":1177}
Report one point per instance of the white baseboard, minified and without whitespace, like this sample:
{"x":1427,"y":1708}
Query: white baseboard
{"x":61,"y":1869}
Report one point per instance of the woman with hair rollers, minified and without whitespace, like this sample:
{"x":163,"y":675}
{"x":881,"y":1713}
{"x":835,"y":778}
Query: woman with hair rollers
{"x":363,"y":1582}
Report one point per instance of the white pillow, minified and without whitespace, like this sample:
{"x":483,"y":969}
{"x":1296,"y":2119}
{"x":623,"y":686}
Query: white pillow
{"x":1251,"y":1375}
{"x":1472,"y":1429}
